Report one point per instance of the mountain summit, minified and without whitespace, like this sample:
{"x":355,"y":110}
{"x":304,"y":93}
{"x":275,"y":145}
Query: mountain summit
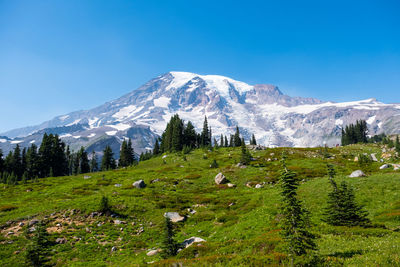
{"x":275,"y":118}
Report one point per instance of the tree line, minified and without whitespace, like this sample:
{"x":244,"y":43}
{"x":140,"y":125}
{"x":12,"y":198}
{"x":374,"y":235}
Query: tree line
{"x":54,"y":158}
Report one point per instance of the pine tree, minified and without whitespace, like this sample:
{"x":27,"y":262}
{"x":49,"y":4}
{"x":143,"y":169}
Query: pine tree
{"x":226,"y":141}
{"x":156,"y":149}
{"x":37,"y":250}
{"x":253,"y":140}
{"x":131,"y":153}
{"x":236,"y":138}
{"x":108,"y":161}
{"x":342,"y":210}
{"x":169,"y":246}
{"x":123,"y":155}
{"x":93,"y":163}
{"x":189,"y":135}
{"x":1,"y":163}
{"x":397,"y":144}
{"x":245,"y":156}
{"x":17,"y":162}
{"x":205,"y":134}
{"x":221,"y":140}
{"x":83,"y":161}
{"x":295,"y":221}
{"x":231,"y":144}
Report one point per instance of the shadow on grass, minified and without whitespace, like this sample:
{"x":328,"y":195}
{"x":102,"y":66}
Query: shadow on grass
{"x":346,"y":254}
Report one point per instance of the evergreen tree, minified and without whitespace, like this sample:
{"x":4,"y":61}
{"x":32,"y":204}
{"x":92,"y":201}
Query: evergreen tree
{"x":295,"y":221}
{"x":156,"y":149}
{"x":215,"y":143}
{"x":236,"y":138}
{"x":245,"y":156}
{"x":397,"y":144}
{"x":342,"y":208}
{"x":169,"y":246}
{"x":231,"y":144}
{"x":221,"y":140}
{"x":253,"y":140}
{"x":131,"y":153}
{"x":1,"y":163}
{"x":32,"y":162}
{"x":93,"y":163}
{"x":189,"y":135}
{"x":226,"y":141}
{"x":355,"y":133}
{"x":108,"y":161}
{"x":37,"y":250}
{"x":17,"y":162}
{"x":205,"y":134}
{"x":83,"y":161}
{"x":123,"y":155}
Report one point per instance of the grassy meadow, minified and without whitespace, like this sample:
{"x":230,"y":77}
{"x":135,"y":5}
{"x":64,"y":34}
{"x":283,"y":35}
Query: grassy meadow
{"x":240,"y":224}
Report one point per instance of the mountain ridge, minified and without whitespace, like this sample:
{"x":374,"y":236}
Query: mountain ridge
{"x":275,"y":118}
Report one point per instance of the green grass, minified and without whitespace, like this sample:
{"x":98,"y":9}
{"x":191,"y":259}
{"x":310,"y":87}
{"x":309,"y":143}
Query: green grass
{"x":239,"y":224}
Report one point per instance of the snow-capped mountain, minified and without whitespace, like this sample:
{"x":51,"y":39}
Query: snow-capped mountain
{"x":275,"y":119}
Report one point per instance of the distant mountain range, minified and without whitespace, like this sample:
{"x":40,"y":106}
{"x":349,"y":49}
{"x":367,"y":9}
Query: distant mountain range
{"x":275,"y":119}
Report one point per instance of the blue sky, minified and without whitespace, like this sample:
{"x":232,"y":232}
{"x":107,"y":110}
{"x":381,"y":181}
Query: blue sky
{"x":61,"y":56}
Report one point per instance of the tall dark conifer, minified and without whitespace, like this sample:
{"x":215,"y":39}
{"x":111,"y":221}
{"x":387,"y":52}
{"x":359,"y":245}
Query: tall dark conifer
{"x":205,"y":134}
{"x":108,"y":161}
{"x":236,"y":138}
{"x":93,"y":163}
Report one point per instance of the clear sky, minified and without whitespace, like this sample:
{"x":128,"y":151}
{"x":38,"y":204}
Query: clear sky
{"x":61,"y":56}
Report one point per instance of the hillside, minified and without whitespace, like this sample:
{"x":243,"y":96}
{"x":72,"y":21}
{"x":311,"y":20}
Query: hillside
{"x":239,"y":225}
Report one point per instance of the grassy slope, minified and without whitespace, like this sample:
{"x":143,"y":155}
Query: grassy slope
{"x":239,"y":224}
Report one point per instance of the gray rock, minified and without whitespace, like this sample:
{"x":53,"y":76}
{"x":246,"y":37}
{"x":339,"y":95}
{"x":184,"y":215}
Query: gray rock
{"x":174,"y":217}
{"x":220,"y":179}
{"x":113,"y":249}
{"x":373,"y":157}
{"x":153,"y":252}
{"x":231,"y":185}
{"x":259,"y":186}
{"x":21,"y":224}
{"x":33,"y":222}
{"x":118,"y":185}
{"x":357,"y":173}
{"x":384,"y":166}
{"x":61,"y":240}
{"x":139,"y":184}
{"x":190,"y":241}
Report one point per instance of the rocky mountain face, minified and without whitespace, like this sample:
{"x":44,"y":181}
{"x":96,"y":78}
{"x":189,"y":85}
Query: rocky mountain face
{"x":275,"y":119}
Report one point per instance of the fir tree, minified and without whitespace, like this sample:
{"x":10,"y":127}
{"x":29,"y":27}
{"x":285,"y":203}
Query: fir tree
{"x":83,"y":161}
{"x":108,"y":161}
{"x":245,"y":156}
{"x":231,"y":143}
{"x":38,"y":248}
{"x":1,"y":163}
{"x":189,"y":135}
{"x":295,"y":221}
{"x":236,"y":138}
{"x":104,"y":205}
{"x":342,"y":210}
{"x":169,"y":246}
{"x":226,"y":141}
{"x":205,"y":134}
{"x":93,"y":163}
{"x":253,"y":140}
{"x":123,"y":155}
{"x":17,"y":162}
{"x":397,"y":144}
{"x":156,"y":149}
{"x":221,"y":141}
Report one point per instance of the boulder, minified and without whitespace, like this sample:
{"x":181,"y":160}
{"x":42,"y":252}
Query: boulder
{"x":174,"y":217}
{"x":259,"y":186}
{"x":139,"y":184}
{"x":33,"y":222}
{"x":357,"y":173}
{"x":60,"y":240}
{"x":231,"y":185}
{"x":190,"y":241}
{"x":373,"y":157}
{"x":220,"y":179}
{"x":153,"y":252}
{"x":384,"y":166}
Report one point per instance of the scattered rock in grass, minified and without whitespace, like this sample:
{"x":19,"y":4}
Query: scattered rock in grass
{"x":21,"y":224}
{"x":174,"y":217}
{"x":396,"y":166}
{"x":190,"y":241}
{"x":153,"y":252}
{"x":33,"y":222}
{"x":118,"y":185}
{"x":140,"y":230}
{"x":154,"y":181}
{"x":10,"y":233}
{"x":355,"y":159}
{"x":373,"y":157}
{"x":259,"y":186}
{"x":384,"y":166}
{"x":165,"y":156}
{"x":139,"y":184}
{"x":61,"y":240}
{"x":16,"y":252}
{"x":87,"y":230}
{"x":231,"y":204}
{"x":87,"y":177}
{"x":357,"y":173}
{"x":220,"y":179}
{"x":191,"y":211}
{"x":248,"y":184}
{"x":113,"y":249}
{"x":29,"y":190}
{"x":231,"y":185}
